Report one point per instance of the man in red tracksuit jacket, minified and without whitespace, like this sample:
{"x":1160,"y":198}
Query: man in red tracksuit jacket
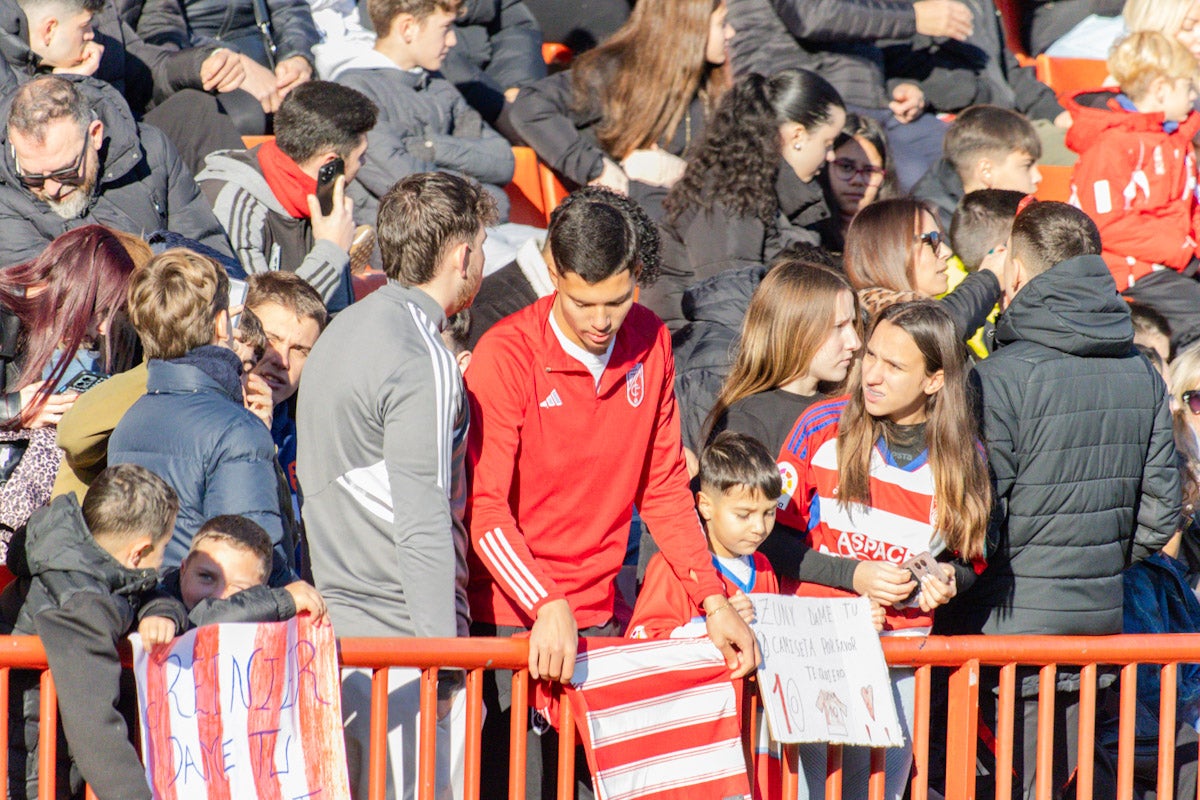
{"x":573,"y":423}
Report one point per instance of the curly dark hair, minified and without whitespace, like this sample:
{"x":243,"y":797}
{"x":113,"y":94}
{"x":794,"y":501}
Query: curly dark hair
{"x":737,"y":159}
{"x":646,"y":241}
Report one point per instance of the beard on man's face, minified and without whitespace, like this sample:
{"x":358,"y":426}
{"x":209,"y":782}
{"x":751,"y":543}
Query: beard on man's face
{"x":75,"y":204}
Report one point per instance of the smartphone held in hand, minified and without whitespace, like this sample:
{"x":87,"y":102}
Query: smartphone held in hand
{"x":327,"y":176}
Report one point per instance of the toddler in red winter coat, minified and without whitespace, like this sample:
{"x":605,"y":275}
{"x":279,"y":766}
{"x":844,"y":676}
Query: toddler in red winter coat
{"x":1136,"y":175}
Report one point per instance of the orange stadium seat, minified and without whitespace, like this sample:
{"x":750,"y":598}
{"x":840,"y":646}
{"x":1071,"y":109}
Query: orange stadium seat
{"x":525,"y":190}
{"x":1056,"y":183}
{"x":1066,"y":76}
{"x":254,"y":141}
{"x":553,"y":190}
{"x":557,"y":55}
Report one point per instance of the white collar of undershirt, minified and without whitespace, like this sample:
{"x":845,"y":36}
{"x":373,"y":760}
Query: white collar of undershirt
{"x":595,"y":364}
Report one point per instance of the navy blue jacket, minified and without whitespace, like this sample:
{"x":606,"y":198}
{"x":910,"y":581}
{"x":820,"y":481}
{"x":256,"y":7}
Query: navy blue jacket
{"x":192,"y":430}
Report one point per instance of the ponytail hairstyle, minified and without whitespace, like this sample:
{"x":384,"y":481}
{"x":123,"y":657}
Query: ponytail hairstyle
{"x":737,"y":160}
{"x":962,"y":490}
{"x":78,"y":281}
{"x":647,"y":73}
{"x":790,"y":316}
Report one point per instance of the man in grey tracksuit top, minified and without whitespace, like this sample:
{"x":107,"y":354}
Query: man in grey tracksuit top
{"x":381,"y":432}
{"x":380,"y":422}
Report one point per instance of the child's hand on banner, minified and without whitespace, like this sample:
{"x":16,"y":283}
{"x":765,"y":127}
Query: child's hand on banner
{"x":308,"y":600}
{"x":156,"y":630}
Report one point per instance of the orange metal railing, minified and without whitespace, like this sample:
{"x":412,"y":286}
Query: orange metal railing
{"x":965,"y":656}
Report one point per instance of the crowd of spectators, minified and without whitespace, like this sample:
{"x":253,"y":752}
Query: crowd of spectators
{"x":799,"y":326}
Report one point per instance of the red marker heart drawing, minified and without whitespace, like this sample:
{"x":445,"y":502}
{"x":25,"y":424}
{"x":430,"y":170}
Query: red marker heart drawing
{"x":868,"y":696}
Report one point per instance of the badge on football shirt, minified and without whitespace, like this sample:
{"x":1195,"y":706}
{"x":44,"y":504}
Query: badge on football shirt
{"x":635,"y":386}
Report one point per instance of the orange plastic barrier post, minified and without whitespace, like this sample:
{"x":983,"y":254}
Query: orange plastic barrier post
{"x":1126,"y":728}
{"x":566,"y":750}
{"x":377,"y":770}
{"x":473,"y":750}
{"x":791,"y":770}
{"x":1005,"y":719}
{"x":878,"y":780}
{"x":833,"y":772}
{"x":1044,"y":781}
{"x":427,"y":755}
{"x":1087,"y":731}
{"x":1166,"y":731}
{"x":47,"y":739}
{"x":920,"y":735}
{"x":516,"y":750}
{"x":962,"y":726}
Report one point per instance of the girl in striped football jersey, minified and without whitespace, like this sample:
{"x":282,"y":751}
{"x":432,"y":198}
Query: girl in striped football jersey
{"x":890,"y":474}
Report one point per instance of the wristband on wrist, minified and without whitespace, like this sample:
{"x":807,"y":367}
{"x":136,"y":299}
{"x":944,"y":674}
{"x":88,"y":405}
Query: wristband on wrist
{"x":719,"y":609}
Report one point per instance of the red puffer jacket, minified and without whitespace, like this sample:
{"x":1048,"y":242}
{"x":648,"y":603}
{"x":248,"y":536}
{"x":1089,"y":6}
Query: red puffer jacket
{"x":1137,"y":182}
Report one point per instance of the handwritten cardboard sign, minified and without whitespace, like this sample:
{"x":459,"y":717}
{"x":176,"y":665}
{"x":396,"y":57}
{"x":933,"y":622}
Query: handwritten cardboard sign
{"x":231,"y":711}
{"x":823,"y":677}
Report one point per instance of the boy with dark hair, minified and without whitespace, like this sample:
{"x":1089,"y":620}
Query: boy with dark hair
{"x":979,"y":230}
{"x":224,"y":579}
{"x":981,"y":224}
{"x":82,"y":574}
{"x":424,"y":123}
{"x":380,"y":453}
{"x":266,"y":197}
{"x":1064,"y":375}
{"x":191,"y":428}
{"x":572,"y":368}
{"x":987,"y":147}
{"x":739,"y":487}
{"x":456,"y":337}
{"x":1151,"y":329}
{"x":527,"y":277}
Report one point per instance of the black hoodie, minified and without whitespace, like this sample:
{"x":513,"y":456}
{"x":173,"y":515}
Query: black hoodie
{"x":81,"y":602}
{"x":1080,"y":447}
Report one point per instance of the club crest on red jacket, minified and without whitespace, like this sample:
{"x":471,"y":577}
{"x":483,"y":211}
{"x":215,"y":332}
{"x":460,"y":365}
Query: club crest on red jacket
{"x":635,"y":386}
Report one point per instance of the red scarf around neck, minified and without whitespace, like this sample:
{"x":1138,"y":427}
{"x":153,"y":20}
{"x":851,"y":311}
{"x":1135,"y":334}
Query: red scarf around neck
{"x":288,"y":182}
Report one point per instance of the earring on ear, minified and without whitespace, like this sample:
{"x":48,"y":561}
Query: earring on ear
{"x":797,"y":146}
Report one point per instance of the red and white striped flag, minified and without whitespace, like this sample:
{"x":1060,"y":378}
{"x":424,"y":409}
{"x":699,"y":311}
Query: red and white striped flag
{"x":234,"y":711}
{"x":660,"y":720}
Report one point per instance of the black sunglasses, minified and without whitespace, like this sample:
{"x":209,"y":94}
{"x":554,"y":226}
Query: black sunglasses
{"x":1192,"y":400}
{"x":934,"y":239}
{"x":67,"y":176}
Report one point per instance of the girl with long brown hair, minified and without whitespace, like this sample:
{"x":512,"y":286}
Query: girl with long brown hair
{"x":897,"y":251}
{"x":801,"y":333}
{"x":626,"y":112}
{"x":894,"y":473}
